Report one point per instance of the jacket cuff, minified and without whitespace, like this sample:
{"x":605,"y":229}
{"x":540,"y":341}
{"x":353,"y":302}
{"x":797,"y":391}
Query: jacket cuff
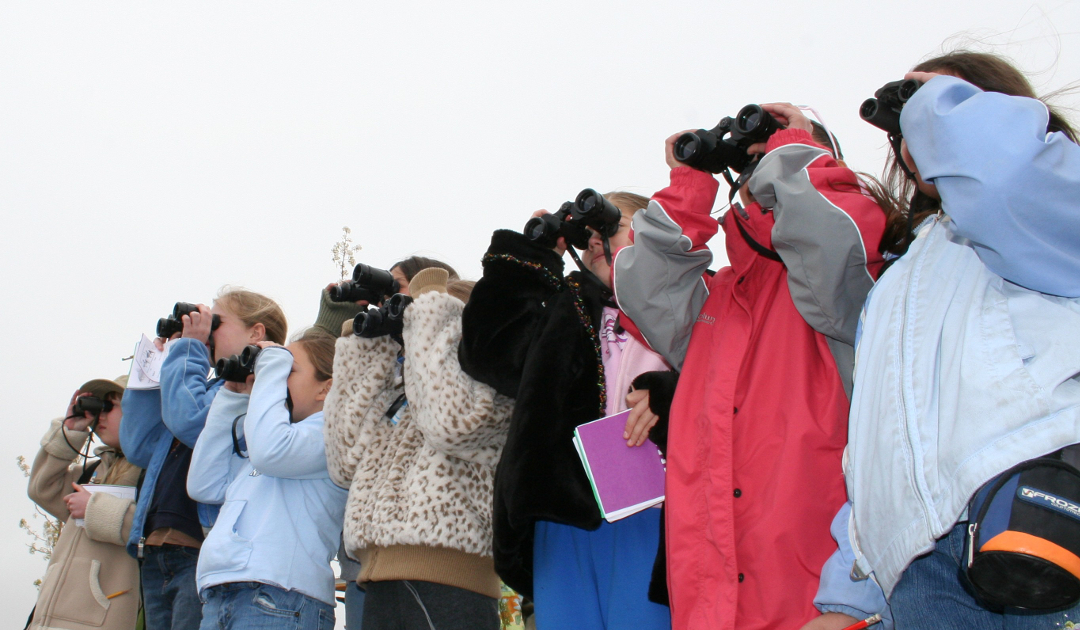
{"x":54,"y":443}
{"x":334,"y":315}
{"x":428,"y":280}
{"x":508,"y":244}
{"x":790,"y":136}
{"x":105,"y":516}
{"x":688,"y":176}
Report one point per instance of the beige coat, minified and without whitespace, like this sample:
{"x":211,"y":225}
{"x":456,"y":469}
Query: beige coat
{"x":89,"y":563}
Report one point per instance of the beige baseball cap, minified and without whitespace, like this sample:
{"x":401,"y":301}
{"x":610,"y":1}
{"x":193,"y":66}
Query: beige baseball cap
{"x":102,"y":387}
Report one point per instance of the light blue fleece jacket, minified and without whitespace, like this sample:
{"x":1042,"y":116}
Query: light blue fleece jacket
{"x":153,"y":417}
{"x":282,"y":515}
{"x":968,"y":358}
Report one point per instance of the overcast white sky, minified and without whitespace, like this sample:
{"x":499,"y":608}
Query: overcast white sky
{"x":154,"y":152}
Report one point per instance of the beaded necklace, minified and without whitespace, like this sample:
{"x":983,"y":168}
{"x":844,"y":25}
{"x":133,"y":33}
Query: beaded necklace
{"x":579,"y":305}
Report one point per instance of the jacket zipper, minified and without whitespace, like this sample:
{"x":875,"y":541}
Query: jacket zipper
{"x":916,"y":267}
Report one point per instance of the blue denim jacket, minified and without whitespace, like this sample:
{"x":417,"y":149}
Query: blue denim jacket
{"x":152,"y":418}
{"x":968,"y":358}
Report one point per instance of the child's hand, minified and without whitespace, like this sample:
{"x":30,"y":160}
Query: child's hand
{"x":268,"y":344}
{"x":669,"y":149}
{"x":786,"y":114}
{"x":76,"y":501}
{"x":922,"y":76}
{"x":560,"y":243}
{"x":73,"y":422}
{"x":241,"y":388}
{"x":197,"y":325}
{"x":641,"y":418}
{"x":159,"y":342}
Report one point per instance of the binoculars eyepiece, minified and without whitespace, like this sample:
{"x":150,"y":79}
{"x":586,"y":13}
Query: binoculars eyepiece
{"x":883,"y":110}
{"x":388,"y":319}
{"x":589,"y":210}
{"x":173,"y":324}
{"x":236,"y":368}
{"x":724,"y":146}
{"x":369,"y":284}
{"x":91,"y":405}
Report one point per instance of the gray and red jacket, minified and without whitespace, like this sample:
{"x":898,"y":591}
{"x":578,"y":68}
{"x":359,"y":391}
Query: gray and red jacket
{"x":759,"y":419}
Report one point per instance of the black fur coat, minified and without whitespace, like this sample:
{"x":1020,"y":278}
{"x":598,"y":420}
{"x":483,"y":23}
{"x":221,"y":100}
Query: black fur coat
{"x":527,"y":332}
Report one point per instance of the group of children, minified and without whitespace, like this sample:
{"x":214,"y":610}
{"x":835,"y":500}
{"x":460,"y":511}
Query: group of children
{"x":828,"y":405}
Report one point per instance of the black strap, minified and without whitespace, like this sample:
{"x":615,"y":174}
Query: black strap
{"x":754,"y":245}
{"x":239,"y":449}
{"x":88,"y":472}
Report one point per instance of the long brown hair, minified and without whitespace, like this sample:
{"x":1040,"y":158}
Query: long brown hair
{"x":320,"y":346}
{"x":895,"y":193}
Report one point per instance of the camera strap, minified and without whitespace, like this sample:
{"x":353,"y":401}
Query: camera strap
{"x":239,"y":444}
{"x":756,"y":246}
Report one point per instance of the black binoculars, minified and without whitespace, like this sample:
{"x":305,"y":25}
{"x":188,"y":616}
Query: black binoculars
{"x":238,"y":367}
{"x":724,"y":146}
{"x":572,"y":220}
{"x":169,"y":326}
{"x":369,"y":284}
{"x":388,"y":319}
{"x":883,"y":111}
{"x":91,"y":405}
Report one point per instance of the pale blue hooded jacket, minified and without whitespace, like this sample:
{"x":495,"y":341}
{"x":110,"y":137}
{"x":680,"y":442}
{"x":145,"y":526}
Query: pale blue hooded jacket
{"x":968,"y":360}
{"x":282,"y":515}
{"x":153,"y":417}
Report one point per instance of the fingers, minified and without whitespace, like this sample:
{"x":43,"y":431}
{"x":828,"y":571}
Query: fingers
{"x":641,"y":418}
{"x":77,"y":487}
{"x":159,"y":343}
{"x":921,"y":76}
{"x":756,"y":148}
{"x":789,"y":115}
{"x":540,"y":213}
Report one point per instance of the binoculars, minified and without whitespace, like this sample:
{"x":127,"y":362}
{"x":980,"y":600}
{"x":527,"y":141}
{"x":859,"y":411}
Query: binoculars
{"x":388,"y":319}
{"x":91,"y":405}
{"x":589,"y":210}
{"x":238,"y":367}
{"x":169,"y":326}
{"x":724,"y":146}
{"x":883,"y":111}
{"x":368,"y":284}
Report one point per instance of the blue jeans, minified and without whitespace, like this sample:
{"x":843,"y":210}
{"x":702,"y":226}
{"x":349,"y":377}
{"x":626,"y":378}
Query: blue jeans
{"x":354,"y":606}
{"x":934,"y":594}
{"x":255,"y":606}
{"x":170,"y":598}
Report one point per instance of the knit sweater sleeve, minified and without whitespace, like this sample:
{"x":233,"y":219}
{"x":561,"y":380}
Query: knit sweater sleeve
{"x":363,"y":370}
{"x":54,"y":469}
{"x":458,"y":416}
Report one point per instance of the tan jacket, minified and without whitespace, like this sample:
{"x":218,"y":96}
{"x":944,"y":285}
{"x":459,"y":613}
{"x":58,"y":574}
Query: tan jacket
{"x":89,"y":563}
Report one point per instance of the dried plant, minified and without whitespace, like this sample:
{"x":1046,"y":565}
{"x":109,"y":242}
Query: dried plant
{"x":42,"y":542}
{"x":344,"y":252}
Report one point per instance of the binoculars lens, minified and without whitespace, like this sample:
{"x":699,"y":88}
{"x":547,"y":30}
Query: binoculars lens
{"x":686,"y":146}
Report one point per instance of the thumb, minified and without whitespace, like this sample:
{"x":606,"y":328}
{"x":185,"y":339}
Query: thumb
{"x":77,"y":487}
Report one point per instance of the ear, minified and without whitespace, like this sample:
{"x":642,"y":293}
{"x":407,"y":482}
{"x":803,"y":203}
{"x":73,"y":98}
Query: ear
{"x":258,"y":332}
{"x":324,"y":390}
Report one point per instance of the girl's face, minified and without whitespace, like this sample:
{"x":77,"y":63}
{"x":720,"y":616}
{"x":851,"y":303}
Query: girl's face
{"x":403,"y":282}
{"x":307,"y":392}
{"x":108,"y":426}
{"x":927,"y":189}
{"x":232,"y":335}
{"x":593,"y":257}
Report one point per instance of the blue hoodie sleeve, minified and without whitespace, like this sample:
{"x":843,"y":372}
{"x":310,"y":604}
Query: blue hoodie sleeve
{"x":837,"y":591}
{"x":214,"y":464}
{"x":186,"y":393}
{"x":141,"y":427}
{"x":277,"y":446}
{"x":1007,"y":185}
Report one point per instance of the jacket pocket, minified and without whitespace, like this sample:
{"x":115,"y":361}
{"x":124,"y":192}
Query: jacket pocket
{"x":80,"y":598}
{"x":226,"y":549}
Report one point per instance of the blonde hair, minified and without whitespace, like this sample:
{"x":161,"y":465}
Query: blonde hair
{"x":255,"y":308}
{"x":319,"y":346}
{"x":628,"y":202}
{"x":461,"y":289}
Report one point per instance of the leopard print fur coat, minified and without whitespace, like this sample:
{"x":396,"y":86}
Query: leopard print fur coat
{"x":426,"y":480}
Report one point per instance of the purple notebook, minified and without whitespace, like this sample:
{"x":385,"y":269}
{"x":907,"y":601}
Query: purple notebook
{"x":625,"y":479}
